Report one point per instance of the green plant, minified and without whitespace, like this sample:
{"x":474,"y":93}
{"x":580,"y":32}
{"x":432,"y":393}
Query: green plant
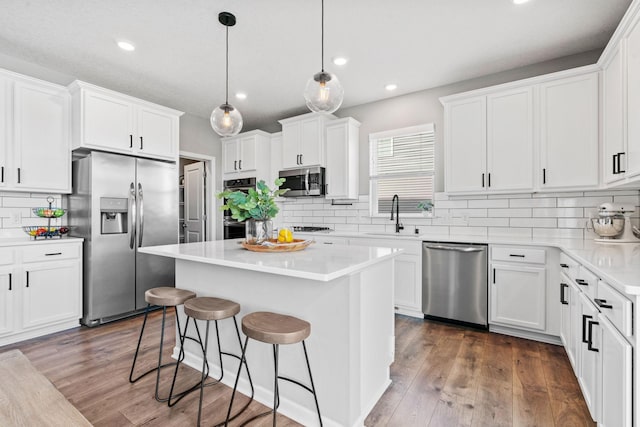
{"x":258,"y":203}
{"x":426,"y":205}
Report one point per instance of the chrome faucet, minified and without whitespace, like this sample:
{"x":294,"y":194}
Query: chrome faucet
{"x":396,"y":200}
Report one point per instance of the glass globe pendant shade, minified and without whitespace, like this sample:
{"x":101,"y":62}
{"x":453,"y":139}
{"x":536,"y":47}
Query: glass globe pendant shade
{"x":323,"y":93}
{"x":226,"y":120}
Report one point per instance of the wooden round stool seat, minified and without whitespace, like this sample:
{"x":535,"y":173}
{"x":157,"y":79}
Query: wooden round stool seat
{"x":208,"y":308}
{"x":273,"y":328}
{"x":167,"y":296}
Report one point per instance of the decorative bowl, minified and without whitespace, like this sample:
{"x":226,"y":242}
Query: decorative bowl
{"x":49,"y":212}
{"x":40,"y":232}
{"x":272,"y":245}
{"x":608,"y":226}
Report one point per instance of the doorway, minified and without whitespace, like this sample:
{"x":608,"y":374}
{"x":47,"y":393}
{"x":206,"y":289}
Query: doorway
{"x":196,"y":184}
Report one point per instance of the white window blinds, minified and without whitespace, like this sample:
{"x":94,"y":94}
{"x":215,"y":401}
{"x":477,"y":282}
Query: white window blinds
{"x":402,"y":162}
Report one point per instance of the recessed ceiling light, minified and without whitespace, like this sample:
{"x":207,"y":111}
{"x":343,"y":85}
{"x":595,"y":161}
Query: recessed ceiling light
{"x":340,"y":60}
{"x":241,"y":95}
{"x":520,"y":1}
{"x":391,"y":86}
{"x":124,"y":45}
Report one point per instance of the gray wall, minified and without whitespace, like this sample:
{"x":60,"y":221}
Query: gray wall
{"x":424,"y":107}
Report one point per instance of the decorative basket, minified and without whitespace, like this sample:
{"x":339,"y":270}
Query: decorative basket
{"x":40,"y":232}
{"x":272,"y":245}
{"x":50,"y":212}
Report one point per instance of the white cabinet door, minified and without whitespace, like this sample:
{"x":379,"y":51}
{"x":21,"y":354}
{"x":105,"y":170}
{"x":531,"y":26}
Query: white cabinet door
{"x":614,"y":161}
{"x":407,"y":275}
{"x":230,"y":156}
{"x":565,"y":312}
{"x":156,"y":133}
{"x":311,"y":142}
{"x":569,"y":132}
{"x":465,"y":145}
{"x":518,"y":296}
{"x":616,"y":380}
{"x":50,"y":293}
{"x":633,"y":100}
{"x":342,"y":159}
{"x":41,"y":146}
{"x":291,"y":134}
{"x":7,"y":300}
{"x":510,"y":140}
{"x":107,"y":123}
{"x":589,"y":355}
{"x":247,"y":158}
{"x":5,"y":131}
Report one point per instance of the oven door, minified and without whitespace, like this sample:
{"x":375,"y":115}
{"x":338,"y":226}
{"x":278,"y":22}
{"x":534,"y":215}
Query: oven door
{"x":234,"y":230}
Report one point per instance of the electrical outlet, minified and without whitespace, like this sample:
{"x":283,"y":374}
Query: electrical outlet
{"x":15,"y":219}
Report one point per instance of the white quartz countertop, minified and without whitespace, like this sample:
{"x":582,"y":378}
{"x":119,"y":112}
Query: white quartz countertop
{"x":18,"y":241}
{"x":618,"y":264}
{"x":316,"y":262}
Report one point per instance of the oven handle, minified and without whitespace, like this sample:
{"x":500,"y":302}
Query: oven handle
{"x":306,"y":181}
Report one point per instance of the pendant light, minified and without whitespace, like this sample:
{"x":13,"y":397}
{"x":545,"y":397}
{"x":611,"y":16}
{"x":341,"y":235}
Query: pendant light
{"x":225,"y":119}
{"x":323,"y":92}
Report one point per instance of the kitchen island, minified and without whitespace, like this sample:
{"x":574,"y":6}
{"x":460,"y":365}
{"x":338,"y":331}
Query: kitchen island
{"x":346,"y":293}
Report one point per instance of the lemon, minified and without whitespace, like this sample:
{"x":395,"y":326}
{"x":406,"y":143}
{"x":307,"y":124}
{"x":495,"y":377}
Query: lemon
{"x":285,"y":235}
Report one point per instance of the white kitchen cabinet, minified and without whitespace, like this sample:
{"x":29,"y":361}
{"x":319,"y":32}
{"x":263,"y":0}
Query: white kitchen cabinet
{"x":569,"y":133}
{"x":342,"y":139}
{"x":518,"y":296}
{"x":616,"y":378}
{"x":614,"y":144}
{"x":632,"y":45}
{"x":247,"y":154}
{"x":303,"y":140}
{"x":111,"y":121}
{"x":589,"y":353}
{"x":35,"y":154}
{"x":45,"y":295}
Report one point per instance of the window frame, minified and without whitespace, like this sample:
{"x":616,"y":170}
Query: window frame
{"x":396,"y":133}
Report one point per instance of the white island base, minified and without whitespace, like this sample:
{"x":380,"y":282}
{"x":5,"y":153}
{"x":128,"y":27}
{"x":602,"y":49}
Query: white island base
{"x":349,"y":305}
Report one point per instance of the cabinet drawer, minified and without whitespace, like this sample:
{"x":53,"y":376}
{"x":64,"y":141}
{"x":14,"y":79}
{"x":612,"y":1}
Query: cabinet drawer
{"x":6,"y":256}
{"x":39,"y":253}
{"x":587,"y":281}
{"x":569,"y":266}
{"x":515,"y":254}
{"x":616,"y":307}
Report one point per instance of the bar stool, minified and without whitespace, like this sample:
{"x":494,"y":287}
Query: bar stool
{"x":275,"y":329}
{"x":163,"y":296}
{"x":208,"y":309}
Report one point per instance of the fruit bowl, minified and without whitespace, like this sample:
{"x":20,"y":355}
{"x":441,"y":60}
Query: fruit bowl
{"x":49,"y":212}
{"x":39,"y":232}
{"x":272,"y":245}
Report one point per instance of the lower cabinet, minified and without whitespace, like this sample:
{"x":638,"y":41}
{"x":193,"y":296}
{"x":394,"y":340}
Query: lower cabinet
{"x":617,"y":379}
{"x":41,"y":292}
{"x":518,"y":296}
{"x":589,"y":354}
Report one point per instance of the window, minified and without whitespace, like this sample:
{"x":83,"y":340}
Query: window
{"x":402,"y":163}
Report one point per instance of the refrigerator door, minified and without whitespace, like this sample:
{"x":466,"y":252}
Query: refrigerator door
{"x":157,"y":223}
{"x":109,"y":260}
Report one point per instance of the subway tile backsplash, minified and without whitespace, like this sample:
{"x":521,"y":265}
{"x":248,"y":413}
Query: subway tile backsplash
{"x":16,"y":211}
{"x":562,"y":215}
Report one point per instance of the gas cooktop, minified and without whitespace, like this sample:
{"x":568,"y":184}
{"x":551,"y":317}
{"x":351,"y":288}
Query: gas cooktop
{"x":309,"y":228}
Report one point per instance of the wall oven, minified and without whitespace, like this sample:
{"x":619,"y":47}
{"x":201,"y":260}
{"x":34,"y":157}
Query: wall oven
{"x":232,"y":228}
{"x":304,"y":182}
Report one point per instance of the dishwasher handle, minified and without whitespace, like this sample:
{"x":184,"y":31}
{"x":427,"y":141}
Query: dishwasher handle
{"x":454,"y":248}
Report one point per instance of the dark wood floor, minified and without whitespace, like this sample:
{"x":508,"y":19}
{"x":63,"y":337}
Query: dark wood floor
{"x":442,"y":376}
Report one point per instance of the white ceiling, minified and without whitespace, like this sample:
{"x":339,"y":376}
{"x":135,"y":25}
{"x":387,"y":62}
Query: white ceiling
{"x":275,"y":46}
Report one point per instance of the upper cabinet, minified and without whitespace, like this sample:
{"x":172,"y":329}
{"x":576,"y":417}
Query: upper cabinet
{"x":246,"y":155}
{"x":633,"y":99}
{"x":524,"y":136}
{"x":489,"y":142}
{"x":303,"y":140}
{"x":110,"y":121}
{"x":35,"y":126}
{"x":342,"y":139}
{"x":569,"y":133}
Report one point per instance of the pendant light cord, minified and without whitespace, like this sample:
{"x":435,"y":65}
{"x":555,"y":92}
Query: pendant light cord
{"x":226,"y":97}
{"x":322,"y":36}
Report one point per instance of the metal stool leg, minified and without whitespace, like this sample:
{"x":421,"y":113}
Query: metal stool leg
{"x":276,"y":392}
{"x":135,"y":357}
{"x":235,"y":385}
{"x":204,"y":363}
{"x":313,"y":388}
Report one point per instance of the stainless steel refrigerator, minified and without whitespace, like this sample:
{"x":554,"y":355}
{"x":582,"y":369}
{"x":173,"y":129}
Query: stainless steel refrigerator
{"x":119,"y":204}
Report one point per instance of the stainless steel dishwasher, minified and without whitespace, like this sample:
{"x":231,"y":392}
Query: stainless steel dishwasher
{"x":454,"y":282}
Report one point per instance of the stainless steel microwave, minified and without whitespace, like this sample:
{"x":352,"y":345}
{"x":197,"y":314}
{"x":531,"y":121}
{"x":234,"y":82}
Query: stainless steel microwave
{"x":304,"y":182}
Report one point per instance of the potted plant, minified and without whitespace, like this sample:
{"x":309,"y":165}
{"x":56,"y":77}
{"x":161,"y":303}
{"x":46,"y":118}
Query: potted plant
{"x":427,"y":208}
{"x":257,"y":206}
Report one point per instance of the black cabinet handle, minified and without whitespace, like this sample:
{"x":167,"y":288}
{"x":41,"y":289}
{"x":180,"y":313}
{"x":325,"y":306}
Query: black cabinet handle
{"x":615,"y":163}
{"x":619,"y":156}
{"x":563,"y":300}
{"x":141,"y":143}
{"x":489,"y":179}
{"x":602,"y":303}
{"x":10,"y":281}
{"x":544,"y":175}
{"x":582,"y":282}
{"x":494,"y":276}
{"x":27,"y":279}
{"x":240,"y":164}
{"x":584,"y":327}
{"x":564,"y":266}
{"x":301,"y":161}
{"x":2,"y":174}
{"x":482,"y":180}
{"x":235,"y":165}
{"x":19,"y":176}
{"x":130,"y":141}
{"x":590,"y":346}
{"x":516,"y":255}
{"x":53,"y":254}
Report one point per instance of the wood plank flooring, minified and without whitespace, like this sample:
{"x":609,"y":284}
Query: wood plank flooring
{"x":443,"y":375}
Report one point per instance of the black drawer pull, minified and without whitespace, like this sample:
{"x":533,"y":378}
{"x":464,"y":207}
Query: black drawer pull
{"x":602,"y":303}
{"x":517,"y":255}
{"x":590,"y":346}
{"x":27,"y":279}
{"x":584,"y":327}
{"x":53,"y":254}
{"x":563,"y":300}
{"x":582,"y":282}
{"x":130,"y":141}
{"x":327,"y":243}
{"x":9,"y":281}
{"x":564,"y":266}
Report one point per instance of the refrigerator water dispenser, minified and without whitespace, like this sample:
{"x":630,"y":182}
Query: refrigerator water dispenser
{"x":113,"y":215}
